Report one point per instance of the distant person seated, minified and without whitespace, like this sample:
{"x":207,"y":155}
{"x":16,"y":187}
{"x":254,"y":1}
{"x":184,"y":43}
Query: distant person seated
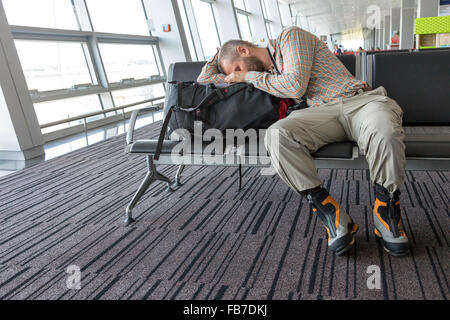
{"x":395,"y":40}
{"x":337,"y":50}
{"x":360,"y":50}
{"x":295,"y":65}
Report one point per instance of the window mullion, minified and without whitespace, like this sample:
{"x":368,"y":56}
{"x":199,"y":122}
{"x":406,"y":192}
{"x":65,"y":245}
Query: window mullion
{"x":82,"y":15}
{"x":194,"y":29}
{"x":95,"y":64}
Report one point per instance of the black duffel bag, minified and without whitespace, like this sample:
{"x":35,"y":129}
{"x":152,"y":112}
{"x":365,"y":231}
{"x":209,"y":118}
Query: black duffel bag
{"x":226,"y":106}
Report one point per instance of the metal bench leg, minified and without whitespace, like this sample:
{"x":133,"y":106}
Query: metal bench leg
{"x":149,"y":178}
{"x":152,"y":175}
{"x":240,"y":177}
{"x":178,"y":176}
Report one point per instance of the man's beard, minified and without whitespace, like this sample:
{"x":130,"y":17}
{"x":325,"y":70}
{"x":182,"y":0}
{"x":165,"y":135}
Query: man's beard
{"x":253,"y":64}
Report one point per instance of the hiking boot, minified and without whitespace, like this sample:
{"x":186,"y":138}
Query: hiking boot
{"x":339,"y":225}
{"x":388,"y":224}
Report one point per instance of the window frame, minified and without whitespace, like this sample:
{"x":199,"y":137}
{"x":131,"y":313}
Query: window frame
{"x":91,"y":39}
{"x":196,"y":39}
{"x":267,"y":22}
{"x":245,"y":13}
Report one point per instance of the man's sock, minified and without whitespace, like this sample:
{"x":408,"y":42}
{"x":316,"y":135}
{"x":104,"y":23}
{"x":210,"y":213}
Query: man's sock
{"x":312,"y":191}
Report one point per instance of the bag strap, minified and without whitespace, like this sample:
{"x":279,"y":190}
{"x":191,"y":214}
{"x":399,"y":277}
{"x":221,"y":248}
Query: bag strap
{"x":163,"y":133}
{"x":165,"y":124}
{"x":215,"y":96}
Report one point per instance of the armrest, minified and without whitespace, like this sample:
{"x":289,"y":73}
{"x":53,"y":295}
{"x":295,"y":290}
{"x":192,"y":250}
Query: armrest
{"x":133,"y":118}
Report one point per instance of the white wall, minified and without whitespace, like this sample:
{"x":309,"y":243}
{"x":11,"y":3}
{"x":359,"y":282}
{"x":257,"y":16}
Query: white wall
{"x":20,"y":134}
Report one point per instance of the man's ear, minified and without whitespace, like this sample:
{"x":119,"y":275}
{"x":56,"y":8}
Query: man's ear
{"x":243,"y":51}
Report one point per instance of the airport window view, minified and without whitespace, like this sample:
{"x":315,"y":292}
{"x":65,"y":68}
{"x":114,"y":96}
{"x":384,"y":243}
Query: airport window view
{"x":228,"y":155}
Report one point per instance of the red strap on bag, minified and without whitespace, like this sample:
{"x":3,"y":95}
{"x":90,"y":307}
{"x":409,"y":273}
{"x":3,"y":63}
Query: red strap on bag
{"x":285,"y":103}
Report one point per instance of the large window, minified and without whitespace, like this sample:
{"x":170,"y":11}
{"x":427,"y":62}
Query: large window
{"x":65,"y":108}
{"x":118,"y":16}
{"x":285,"y":14}
{"x":187,"y":30}
{"x":57,"y":14}
{"x":94,"y":56}
{"x":128,"y":61}
{"x":51,"y":65}
{"x":267,"y":19}
{"x":135,"y":95}
{"x":242,"y":15}
{"x":200,"y":26}
{"x":206,"y":25}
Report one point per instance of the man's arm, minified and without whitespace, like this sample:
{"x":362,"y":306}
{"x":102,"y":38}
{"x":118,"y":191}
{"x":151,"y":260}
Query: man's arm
{"x":297,"y":48}
{"x":210,"y":72}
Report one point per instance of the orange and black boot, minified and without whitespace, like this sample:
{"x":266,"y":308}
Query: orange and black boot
{"x":388,"y":223}
{"x":339,"y":225}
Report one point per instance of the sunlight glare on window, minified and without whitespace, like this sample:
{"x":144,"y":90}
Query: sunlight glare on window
{"x":124,"y":61}
{"x":65,"y":108}
{"x":187,"y":30}
{"x":244,"y":27}
{"x":206,"y":26}
{"x":240,"y":4}
{"x":57,"y":14}
{"x":127,"y":96}
{"x":118,"y":16}
{"x":50,"y":65}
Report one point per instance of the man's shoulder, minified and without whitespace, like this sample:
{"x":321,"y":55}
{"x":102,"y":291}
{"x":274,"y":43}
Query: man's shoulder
{"x":294,"y":32}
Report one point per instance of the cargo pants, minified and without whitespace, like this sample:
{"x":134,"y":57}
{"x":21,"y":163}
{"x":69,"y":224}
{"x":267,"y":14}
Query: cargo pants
{"x":371,"y":119}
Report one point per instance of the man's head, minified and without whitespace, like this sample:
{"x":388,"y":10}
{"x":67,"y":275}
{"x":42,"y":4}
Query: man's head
{"x":240,"y":55}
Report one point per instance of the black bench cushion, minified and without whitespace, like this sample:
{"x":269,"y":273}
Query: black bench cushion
{"x":419,"y":82}
{"x":333,"y":150}
{"x":427,"y":149}
{"x":349,"y":61}
{"x":427,"y":142}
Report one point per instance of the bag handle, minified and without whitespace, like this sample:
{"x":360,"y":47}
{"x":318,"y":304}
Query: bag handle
{"x":212,"y":98}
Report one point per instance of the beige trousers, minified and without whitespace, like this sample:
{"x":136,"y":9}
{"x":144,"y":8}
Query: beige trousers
{"x":370,"y":118}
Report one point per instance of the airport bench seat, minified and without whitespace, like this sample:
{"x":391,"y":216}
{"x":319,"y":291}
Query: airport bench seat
{"x":428,"y":142}
{"x":341,"y":150}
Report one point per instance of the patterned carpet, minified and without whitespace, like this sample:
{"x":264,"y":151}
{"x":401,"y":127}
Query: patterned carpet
{"x":206,"y":240}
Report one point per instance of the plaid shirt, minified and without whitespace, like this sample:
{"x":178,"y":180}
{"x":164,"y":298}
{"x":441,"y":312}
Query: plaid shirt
{"x":307,"y":67}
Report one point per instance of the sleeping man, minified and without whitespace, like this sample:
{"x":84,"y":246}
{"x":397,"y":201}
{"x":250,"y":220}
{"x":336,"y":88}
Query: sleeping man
{"x":295,"y":65}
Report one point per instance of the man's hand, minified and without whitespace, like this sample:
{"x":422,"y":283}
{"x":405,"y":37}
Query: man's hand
{"x":235,"y":76}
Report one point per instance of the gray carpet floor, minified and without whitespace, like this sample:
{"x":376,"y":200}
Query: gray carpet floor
{"x":206,"y":240}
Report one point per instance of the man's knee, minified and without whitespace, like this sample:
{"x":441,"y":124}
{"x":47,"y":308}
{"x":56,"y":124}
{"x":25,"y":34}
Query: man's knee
{"x":281,"y":132}
{"x":383,"y":135}
{"x":384,"y":127}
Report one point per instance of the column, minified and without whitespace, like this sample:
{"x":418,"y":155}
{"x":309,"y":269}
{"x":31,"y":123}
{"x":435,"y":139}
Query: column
{"x":381,"y":35}
{"x":20,"y":135}
{"x":387,"y":31}
{"x":395,"y":25}
{"x":407,"y":24}
{"x":428,"y":8}
{"x":377,"y":38}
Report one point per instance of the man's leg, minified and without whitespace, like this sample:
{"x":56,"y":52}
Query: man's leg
{"x":290,"y":143}
{"x":377,"y":128}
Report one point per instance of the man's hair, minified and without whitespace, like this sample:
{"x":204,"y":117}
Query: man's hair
{"x":228,"y":51}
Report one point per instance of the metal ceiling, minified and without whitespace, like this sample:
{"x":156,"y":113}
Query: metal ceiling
{"x":338,"y":16}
